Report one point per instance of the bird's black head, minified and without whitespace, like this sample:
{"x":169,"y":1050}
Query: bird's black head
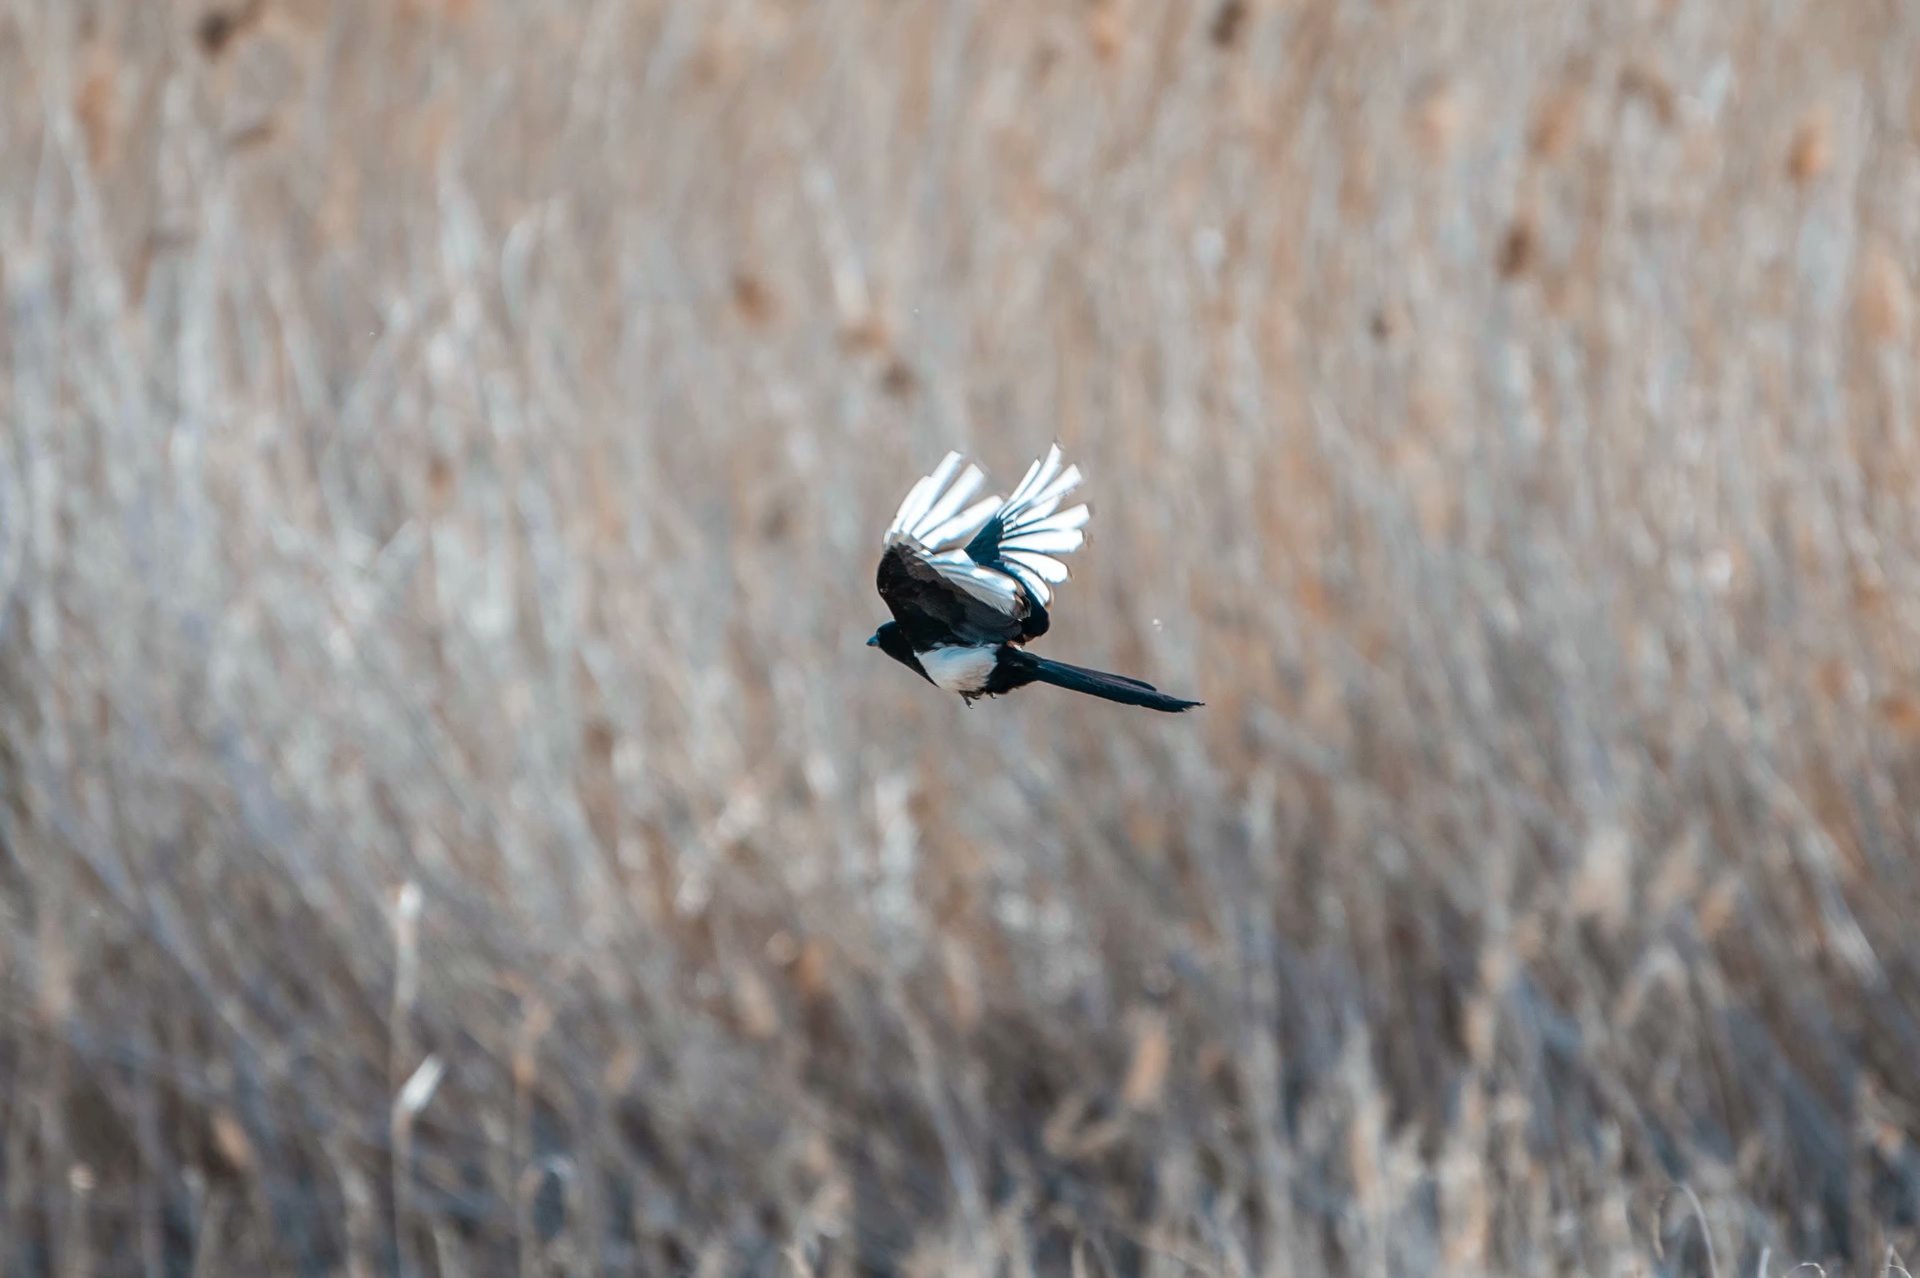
{"x":891,"y":640}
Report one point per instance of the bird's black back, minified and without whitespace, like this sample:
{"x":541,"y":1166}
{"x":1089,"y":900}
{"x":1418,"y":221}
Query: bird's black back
{"x":933,"y":612}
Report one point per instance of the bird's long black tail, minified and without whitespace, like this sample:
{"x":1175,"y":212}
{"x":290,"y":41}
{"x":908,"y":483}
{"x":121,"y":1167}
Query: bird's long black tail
{"x":1095,"y":683}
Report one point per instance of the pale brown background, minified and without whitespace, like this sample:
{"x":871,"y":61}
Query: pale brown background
{"x":447,"y":443}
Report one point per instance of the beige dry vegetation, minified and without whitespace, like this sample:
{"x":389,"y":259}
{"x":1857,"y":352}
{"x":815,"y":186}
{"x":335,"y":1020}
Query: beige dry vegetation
{"x":443,"y":444}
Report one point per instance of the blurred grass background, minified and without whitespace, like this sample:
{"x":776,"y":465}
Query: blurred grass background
{"x":449,"y":822}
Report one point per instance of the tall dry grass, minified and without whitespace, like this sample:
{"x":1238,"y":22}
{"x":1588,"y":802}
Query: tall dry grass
{"x":450,"y":823}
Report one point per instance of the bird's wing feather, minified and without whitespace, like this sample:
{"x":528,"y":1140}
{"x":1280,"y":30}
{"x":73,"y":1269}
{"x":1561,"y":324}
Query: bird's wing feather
{"x":937,"y":592}
{"x":932,"y":514}
{"x":1028,"y":531}
{"x":982,"y":572}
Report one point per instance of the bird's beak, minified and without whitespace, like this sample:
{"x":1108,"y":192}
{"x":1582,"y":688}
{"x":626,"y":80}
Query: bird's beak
{"x":873,"y":641}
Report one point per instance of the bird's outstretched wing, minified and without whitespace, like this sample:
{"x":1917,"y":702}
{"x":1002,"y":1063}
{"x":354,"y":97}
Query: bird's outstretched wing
{"x":935,"y":590}
{"x":931,"y":513}
{"x":1029,"y":530}
{"x":983,"y":574}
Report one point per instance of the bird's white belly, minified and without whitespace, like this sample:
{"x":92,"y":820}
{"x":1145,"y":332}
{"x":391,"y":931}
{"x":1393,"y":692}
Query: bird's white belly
{"x":959,"y":669}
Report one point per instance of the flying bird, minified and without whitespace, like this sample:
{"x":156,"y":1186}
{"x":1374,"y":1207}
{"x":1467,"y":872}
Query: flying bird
{"x":969,"y":585}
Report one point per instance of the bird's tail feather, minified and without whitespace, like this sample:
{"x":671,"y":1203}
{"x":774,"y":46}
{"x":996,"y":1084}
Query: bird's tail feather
{"x":1098,"y":683}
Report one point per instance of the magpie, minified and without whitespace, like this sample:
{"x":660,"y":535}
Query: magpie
{"x":969,"y":588}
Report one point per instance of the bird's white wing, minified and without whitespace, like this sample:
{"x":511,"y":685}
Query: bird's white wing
{"x":1033,"y":530}
{"x":932,"y":526}
{"x":932,"y":513}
